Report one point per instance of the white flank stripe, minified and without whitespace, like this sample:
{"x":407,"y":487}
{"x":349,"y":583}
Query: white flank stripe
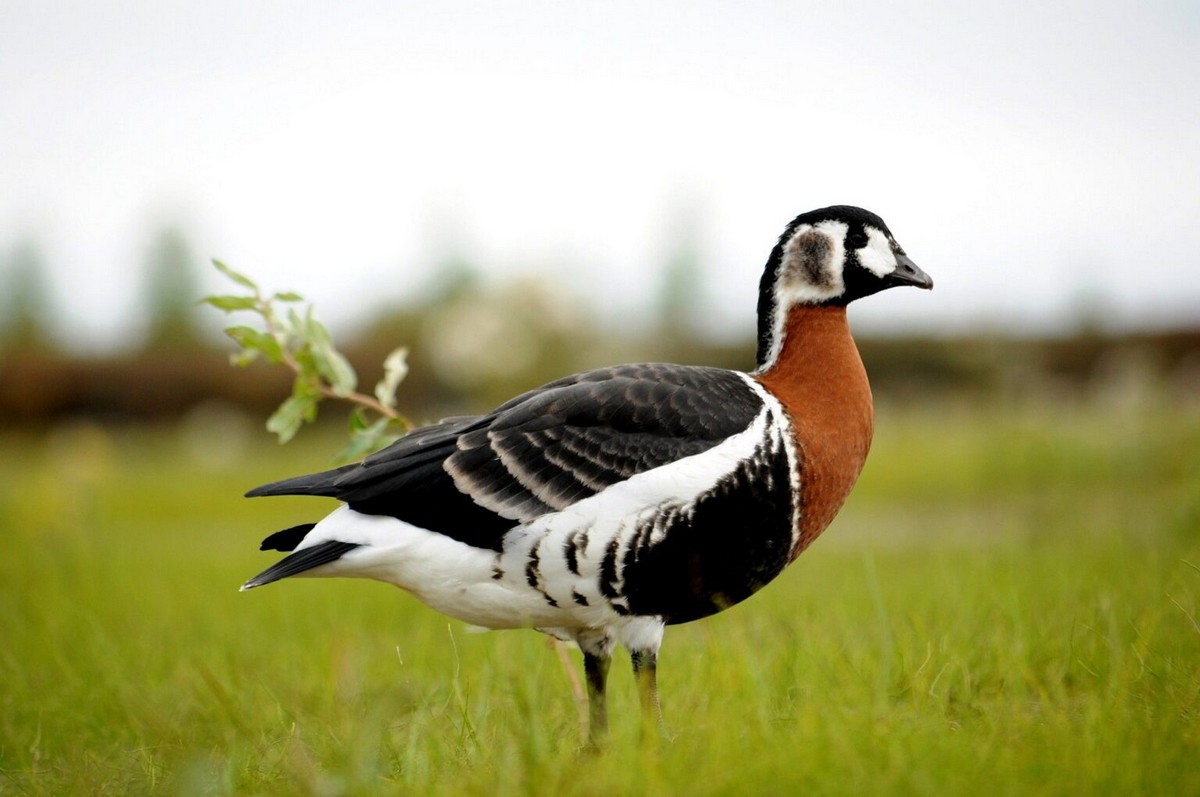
{"x":782,"y":432}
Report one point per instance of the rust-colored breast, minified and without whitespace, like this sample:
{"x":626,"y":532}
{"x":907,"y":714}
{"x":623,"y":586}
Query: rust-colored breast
{"x":820,"y":380}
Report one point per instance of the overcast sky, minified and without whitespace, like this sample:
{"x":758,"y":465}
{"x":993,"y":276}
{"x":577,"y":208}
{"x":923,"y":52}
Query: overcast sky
{"x":1034,"y":158}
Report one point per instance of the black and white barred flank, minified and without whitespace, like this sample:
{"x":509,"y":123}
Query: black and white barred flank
{"x":623,"y":498}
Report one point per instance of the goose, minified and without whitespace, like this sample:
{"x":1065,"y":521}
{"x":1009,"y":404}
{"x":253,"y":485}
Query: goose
{"x":606,"y":505}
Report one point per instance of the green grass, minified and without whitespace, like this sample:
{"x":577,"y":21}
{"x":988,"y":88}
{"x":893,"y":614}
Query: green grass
{"x":1008,"y":605}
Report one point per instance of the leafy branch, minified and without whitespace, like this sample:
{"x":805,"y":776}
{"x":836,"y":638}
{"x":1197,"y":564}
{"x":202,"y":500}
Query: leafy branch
{"x":295,"y":339}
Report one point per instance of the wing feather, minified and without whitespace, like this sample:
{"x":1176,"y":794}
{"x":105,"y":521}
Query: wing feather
{"x":474,"y":478}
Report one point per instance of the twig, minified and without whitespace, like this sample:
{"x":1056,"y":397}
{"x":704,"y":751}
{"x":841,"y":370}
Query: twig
{"x":289,"y":359}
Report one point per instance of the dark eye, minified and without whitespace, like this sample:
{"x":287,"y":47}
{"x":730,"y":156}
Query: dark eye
{"x":856,"y":239}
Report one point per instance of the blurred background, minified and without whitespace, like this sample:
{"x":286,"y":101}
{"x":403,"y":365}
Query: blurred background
{"x":521,"y":190}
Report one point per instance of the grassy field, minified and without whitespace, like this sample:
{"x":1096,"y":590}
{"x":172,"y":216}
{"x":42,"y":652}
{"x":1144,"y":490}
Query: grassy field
{"x":1008,"y":605}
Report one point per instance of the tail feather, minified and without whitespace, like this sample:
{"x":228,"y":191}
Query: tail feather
{"x":298,"y":562}
{"x":288,"y":539}
{"x":312,"y":484}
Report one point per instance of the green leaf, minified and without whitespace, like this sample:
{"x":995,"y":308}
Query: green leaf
{"x":297,"y":409}
{"x":316,"y":331}
{"x":362,"y":441}
{"x":292,"y":414}
{"x":271,"y":349}
{"x":331,"y":364}
{"x":242,"y":359}
{"x":257,"y":341}
{"x":395,"y":368}
{"x":246,"y":337}
{"x":294,"y":324}
{"x":307,"y":363}
{"x":369,"y":439}
{"x":231,"y":303}
{"x":335,"y":369}
{"x":287,"y":296}
{"x":240,"y":279}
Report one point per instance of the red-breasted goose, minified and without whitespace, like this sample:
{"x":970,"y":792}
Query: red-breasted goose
{"x":604,"y":506}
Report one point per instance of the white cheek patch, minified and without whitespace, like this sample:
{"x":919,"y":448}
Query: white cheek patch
{"x":811,"y":269}
{"x":801,"y":280}
{"x":877,"y":256}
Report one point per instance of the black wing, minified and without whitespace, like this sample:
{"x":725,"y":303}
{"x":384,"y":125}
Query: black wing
{"x":475,"y":478}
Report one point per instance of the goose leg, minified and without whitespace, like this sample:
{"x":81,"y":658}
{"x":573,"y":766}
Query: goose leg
{"x":645,"y":673}
{"x":595,"y":671}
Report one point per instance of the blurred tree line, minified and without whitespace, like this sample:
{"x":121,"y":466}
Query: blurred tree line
{"x":474,"y":344}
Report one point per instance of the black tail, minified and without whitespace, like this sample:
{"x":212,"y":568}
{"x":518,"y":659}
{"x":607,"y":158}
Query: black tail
{"x":288,"y":539}
{"x":298,"y":562}
{"x":312,"y":484}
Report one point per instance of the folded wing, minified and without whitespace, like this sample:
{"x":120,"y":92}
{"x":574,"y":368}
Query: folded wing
{"x":475,"y":478}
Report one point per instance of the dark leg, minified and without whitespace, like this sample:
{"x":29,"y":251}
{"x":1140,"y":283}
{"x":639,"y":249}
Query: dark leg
{"x":645,"y":673}
{"x":595,"y":671}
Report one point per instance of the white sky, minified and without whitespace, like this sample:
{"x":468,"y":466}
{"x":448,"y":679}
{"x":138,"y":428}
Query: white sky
{"x":1027,"y":155}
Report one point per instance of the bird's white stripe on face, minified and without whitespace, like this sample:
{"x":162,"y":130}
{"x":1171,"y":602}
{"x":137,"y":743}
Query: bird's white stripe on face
{"x":877,"y":256}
